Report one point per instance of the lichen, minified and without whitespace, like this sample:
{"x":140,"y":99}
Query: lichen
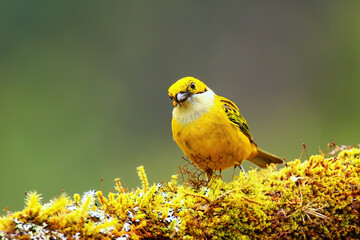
{"x":317,"y":199}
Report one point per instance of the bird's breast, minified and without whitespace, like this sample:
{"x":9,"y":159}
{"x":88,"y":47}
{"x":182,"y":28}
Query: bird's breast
{"x":211,"y":140}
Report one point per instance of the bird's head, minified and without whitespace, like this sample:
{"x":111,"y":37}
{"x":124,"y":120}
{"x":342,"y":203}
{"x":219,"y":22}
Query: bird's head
{"x":185,"y":88}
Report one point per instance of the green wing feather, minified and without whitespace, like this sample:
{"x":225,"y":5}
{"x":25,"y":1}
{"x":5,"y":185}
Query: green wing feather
{"x":235,"y":117}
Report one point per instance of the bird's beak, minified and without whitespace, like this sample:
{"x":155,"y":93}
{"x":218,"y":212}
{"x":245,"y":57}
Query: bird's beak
{"x":180,"y":97}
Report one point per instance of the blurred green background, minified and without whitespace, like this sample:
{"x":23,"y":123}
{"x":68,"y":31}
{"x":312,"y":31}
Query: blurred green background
{"x":83,"y":84}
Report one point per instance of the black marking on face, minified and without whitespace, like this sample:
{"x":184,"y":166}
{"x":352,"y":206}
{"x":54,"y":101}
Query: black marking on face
{"x":202,"y":91}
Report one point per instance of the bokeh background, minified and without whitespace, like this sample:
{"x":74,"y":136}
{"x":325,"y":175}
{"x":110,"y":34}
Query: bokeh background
{"x":83,"y":84}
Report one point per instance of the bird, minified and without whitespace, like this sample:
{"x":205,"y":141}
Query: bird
{"x":210,"y":130}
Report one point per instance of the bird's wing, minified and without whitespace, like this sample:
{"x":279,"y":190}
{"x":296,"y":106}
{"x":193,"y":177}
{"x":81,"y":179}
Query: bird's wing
{"x":235,"y":117}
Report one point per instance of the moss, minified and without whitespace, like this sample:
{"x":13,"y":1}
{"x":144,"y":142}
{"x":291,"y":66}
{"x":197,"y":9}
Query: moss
{"x":317,"y":198}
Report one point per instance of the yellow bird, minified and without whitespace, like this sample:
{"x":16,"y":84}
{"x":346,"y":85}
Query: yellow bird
{"x":210,"y":130}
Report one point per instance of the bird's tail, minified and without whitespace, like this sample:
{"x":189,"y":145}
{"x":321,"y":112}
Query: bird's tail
{"x":263,"y":159}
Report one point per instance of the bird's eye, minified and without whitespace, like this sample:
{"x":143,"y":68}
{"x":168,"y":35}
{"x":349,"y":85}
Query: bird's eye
{"x":192,"y":85}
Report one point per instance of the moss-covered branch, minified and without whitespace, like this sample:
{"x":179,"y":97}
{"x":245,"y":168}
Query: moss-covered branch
{"x":316,"y":199}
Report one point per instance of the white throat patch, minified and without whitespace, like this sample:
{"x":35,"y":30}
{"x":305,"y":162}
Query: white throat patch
{"x":194,"y":107}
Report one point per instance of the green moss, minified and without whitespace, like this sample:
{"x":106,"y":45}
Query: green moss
{"x":317,"y":199}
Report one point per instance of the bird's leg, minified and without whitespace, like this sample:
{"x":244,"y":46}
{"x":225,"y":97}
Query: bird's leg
{"x":233,"y":175}
{"x":242,"y":168}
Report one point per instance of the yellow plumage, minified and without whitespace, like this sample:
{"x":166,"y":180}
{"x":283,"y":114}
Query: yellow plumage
{"x":210,"y":130}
